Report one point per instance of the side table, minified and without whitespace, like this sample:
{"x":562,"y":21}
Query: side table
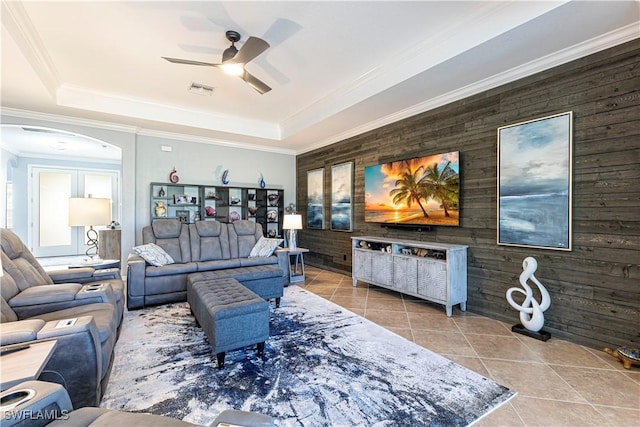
{"x":26,"y":363}
{"x":296,"y":271}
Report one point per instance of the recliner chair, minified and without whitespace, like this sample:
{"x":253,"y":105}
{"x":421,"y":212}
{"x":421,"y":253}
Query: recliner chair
{"x":31,"y":305}
{"x":37,"y":403}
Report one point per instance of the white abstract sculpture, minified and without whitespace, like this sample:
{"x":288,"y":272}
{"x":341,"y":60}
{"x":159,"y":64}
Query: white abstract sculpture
{"x":531,"y":312}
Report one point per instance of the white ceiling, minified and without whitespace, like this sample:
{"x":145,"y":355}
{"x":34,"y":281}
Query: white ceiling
{"x":336,"y":69}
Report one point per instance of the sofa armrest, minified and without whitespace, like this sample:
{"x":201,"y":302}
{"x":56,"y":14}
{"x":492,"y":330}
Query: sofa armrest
{"x":283,"y":263}
{"x":136,"y":274}
{"x":72,"y":275}
{"x":20,"y":331}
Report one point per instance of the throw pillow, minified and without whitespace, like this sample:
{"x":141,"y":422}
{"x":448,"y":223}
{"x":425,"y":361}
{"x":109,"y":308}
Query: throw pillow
{"x":153,"y":254}
{"x":265,"y":247}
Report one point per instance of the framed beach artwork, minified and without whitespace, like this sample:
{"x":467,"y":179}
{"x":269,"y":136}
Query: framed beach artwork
{"x":315,"y":198}
{"x":535,"y":164}
{"x":341,"y":195}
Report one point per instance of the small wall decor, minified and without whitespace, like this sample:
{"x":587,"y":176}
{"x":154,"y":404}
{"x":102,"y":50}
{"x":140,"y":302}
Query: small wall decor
{"x":225,"y":177}
{"x":534,"y":183}
{"x":341,"y":195}
{"x":315,"y":198}
{"x":173,"y":177}
{"x":183,"y":216}
{"x":261,"y":181}
{"x":531,"y":311}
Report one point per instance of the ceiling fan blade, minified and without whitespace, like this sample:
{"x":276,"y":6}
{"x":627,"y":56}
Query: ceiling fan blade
{"x":253,"y":47}
{"x":189,"y":62}
{"x":255,"y":83}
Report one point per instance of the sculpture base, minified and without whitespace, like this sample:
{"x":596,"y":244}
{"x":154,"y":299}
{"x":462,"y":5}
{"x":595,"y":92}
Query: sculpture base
{"x":540,"y":335}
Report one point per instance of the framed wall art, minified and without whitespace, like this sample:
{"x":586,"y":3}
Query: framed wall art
{"x":341,"y":195}
{"x":535,"y":164}
{"x":315,"y":198}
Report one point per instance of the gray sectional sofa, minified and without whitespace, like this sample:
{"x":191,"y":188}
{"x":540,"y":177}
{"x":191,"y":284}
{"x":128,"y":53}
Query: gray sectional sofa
{"x":34,"y":302}
{"x":209,"y":249}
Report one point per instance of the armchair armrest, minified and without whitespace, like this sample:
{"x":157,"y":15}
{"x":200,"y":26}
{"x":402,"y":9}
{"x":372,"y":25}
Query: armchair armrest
{"x":20,"y":331}
{"x":72,"y":275}
{"x":34,"y":403}
{"x":41,"y":299}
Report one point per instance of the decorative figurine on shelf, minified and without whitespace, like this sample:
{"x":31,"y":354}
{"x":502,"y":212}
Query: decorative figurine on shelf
{"x":261,"y":181}
{"x":273,"y":199}
{"x":114,"y":225}
{"x":209,"y":211}
{"x":225,"y":177}
{"x":173,"y":177}
{"x":160,"y":209}
{"x":531,"y":311}
{"x":161,"y":193}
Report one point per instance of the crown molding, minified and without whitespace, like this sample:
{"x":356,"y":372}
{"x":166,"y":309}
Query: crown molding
{"x":589,"y":47}
{"x":213,"y":141}
{"x":16,"y":20}
{"x":138,"y":131}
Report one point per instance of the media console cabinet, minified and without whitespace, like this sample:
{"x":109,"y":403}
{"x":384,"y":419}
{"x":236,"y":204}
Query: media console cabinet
{"x":432,"y":271}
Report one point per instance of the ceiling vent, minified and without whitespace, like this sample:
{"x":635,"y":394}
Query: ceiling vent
{"x":201,"y":89}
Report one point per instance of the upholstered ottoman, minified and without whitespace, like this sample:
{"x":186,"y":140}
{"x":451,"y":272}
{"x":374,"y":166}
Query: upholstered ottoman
{"x":231,"y":315}
{"x":264,"y":280}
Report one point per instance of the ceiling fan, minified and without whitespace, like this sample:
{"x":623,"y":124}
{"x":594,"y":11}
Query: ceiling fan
{"x":234,"y":60}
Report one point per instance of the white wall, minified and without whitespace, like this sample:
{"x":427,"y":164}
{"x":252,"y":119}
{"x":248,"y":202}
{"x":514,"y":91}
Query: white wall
{"x":198,"y":163}
{"x":143,"y":162}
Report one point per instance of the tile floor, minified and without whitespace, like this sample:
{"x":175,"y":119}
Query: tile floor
{"x":558,"y":383}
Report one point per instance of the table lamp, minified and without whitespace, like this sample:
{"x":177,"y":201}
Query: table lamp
{"x":89,"y":211}
{"x":293,"y":223}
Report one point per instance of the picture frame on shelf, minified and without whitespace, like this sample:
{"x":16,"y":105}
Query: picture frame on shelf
{"x":535,"y":167}
{"x":181,"y":199}
{"x":183,"y":216}
{"x":315,"y":198}
{"x":341,"y":196}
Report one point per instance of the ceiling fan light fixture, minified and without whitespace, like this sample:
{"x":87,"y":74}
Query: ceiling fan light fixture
{"x":233,"y":69}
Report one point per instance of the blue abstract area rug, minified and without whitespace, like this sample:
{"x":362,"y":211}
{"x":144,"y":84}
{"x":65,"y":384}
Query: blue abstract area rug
{"x":323,"y":366}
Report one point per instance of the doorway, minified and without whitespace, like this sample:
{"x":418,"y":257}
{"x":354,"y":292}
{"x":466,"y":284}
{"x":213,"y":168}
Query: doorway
{"x":51,"y":188}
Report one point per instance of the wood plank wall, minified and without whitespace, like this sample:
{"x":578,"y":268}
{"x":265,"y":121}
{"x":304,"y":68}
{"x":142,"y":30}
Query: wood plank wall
{"x":595,"y":288}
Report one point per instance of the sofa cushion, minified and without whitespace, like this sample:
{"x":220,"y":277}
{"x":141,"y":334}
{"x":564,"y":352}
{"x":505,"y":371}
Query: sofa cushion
{"x":172,"y":236}
{"x":153,"y":254}
{"x":219,"y":264}
{"x":171,"y":269}
{"x":209,"y":241}
{"x":22,"y":331}
{"x":264,"y":247}
{"x":21,"y":265}
{"x":248,"y":262}
{"x":166,"y":229}
{"x":243,"y":236}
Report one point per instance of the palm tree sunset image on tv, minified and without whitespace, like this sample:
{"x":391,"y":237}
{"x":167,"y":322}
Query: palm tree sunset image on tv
{"x":421,"y":190}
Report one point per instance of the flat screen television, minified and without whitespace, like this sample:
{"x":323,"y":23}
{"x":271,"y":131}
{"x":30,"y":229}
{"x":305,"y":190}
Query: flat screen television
{"x":417,"y":191}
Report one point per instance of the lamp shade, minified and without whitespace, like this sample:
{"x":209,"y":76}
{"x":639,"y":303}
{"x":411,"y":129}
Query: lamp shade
{"x":89,"y":211}
{"x":292,"y":222}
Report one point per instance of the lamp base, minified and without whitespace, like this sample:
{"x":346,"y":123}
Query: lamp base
{"x":291,"y":237}
{"x":92,"y":242}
